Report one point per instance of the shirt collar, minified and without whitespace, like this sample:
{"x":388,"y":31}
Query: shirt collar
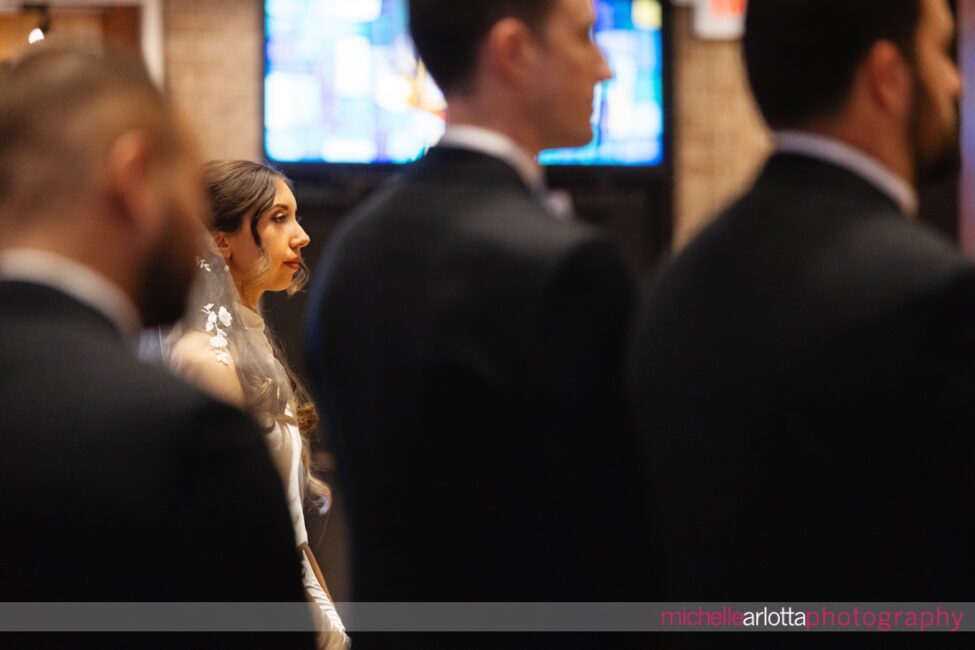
{"x":496,"y":145}
{"x":76,"y":280}
{"x":843,"y":155}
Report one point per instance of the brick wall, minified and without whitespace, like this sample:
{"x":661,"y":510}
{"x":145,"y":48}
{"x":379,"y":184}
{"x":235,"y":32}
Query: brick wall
{"x":720,"y":139}
{"x":214,"y":63}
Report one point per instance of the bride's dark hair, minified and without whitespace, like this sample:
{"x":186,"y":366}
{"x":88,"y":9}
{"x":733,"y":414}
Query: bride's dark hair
{"x":240,"y":192}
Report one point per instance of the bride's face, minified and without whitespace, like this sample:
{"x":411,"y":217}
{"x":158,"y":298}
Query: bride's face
{"x":282,"y":238}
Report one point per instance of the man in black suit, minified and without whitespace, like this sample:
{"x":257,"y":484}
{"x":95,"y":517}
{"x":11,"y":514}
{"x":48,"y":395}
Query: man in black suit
{"x":119,"y":483}
{"x":803,"y":371}
{"x":468,"y":345}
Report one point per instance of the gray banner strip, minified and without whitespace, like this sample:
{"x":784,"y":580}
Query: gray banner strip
{"x":493,"y":617}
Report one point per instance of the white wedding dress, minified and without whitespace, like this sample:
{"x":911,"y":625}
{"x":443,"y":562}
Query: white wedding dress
{"x":206,"y":361}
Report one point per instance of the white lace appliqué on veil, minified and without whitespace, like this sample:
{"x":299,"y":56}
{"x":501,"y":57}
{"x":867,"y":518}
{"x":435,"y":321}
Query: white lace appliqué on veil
{"x":219,"y":341}
{"x":222,"y":316}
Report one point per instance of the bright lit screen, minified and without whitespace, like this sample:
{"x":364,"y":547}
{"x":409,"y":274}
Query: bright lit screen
{"x":343,"y":85}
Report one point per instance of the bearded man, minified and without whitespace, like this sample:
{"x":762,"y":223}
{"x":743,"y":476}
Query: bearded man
{"x":802,"y":372}
{"x":119,"y":482}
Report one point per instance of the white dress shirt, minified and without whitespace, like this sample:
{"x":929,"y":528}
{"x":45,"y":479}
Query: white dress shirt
{"x":843,"y":155}
{"x":74,"y":279}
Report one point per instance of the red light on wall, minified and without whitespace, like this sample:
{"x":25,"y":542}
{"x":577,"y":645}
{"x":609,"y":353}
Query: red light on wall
{"x":728,"y":8}
{"x":719,"y":19}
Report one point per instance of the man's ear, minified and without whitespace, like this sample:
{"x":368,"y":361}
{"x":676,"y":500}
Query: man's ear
{"x":889,"y":79}
{"x":510,"y":51}
{"x":129,"y":180}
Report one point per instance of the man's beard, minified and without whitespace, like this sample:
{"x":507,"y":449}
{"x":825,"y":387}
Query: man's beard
{"x":169,"y":272}
{"x":937,"y":157}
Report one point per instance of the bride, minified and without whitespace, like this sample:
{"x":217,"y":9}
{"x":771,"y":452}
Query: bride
{"x":223,"y":346}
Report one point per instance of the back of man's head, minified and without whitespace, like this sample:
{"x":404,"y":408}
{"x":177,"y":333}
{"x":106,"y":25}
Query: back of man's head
{"x":802,"y":55}
{"x":96,"y":167}
{"x":448,"y":33}
{"x":60,"y":111}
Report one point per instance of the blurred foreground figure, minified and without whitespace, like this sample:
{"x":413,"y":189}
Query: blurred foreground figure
{"x":804,"y":370}
{"x":119,"y":483}
{"x":468,"y":345}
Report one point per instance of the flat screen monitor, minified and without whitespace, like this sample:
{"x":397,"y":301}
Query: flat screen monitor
{"x":342,"y":84}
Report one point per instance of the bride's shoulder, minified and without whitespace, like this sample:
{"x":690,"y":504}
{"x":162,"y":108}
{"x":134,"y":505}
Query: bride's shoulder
{"x":208,"y":367}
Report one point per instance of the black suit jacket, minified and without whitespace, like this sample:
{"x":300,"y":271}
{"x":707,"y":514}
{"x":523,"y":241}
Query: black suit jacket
{"x":802,"y":381}
{"x":468,"y":349}
{"x":121,"y":483}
